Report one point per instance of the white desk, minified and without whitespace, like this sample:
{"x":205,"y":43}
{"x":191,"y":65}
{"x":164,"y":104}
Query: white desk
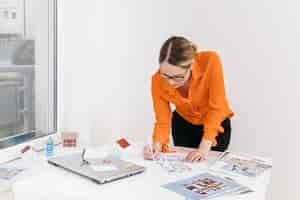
{"x":47,"y":182}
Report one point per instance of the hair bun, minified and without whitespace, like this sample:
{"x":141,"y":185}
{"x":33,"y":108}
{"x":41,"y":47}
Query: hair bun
{"x":194,"y":46}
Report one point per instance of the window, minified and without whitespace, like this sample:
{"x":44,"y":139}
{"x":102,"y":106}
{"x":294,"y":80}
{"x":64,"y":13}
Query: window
{"x":27,"y":70}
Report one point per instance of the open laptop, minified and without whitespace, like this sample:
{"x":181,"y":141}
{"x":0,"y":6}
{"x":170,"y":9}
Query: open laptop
{"x":76,"y":164}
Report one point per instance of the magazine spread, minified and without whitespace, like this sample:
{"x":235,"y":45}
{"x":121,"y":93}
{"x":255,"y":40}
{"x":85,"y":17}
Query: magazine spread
{"x":241,"y":164}
{"x":203,"y":186}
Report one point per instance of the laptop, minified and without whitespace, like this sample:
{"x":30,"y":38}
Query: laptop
{"x":86,"y":168}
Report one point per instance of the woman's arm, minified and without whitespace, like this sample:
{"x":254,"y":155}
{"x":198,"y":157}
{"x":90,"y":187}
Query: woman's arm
{"x":216,"y":114}
{"x":163,"y":116}
{"x":216,"y":102}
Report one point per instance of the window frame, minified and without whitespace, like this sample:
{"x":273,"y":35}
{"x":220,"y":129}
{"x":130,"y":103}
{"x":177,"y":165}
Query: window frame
{"x":53,"y":85}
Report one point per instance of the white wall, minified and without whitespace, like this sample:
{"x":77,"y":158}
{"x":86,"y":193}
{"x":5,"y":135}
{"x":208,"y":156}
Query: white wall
{"x":108,"y":51}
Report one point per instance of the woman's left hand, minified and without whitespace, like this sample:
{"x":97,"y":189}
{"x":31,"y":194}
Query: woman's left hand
{"x":196,"y":155}
{"x":201,"y":153}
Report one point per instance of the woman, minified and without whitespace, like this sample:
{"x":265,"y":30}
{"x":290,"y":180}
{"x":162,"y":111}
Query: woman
{"x":193,"y":82}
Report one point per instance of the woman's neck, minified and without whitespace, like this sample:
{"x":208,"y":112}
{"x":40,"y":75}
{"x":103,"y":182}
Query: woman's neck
{"x":184,"y":89}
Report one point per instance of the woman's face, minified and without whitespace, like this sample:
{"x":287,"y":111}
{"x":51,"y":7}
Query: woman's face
{"x":175,"y":75}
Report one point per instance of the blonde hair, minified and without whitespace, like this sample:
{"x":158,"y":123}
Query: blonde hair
{"x":177,"y":51}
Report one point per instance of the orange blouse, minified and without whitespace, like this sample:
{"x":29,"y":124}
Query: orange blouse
{"x":205,"y":105}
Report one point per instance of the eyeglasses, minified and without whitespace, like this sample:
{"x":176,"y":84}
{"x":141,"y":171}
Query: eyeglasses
{"x":176,"y":78}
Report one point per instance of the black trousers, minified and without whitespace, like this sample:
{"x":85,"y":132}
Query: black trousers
{"x":189,"y":135}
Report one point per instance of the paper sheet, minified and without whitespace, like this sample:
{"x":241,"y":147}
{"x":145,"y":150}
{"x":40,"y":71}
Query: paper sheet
{"x":242,"y":165}
{"x":97,"y":153}
{"x":104,"y":167}
{"x":103,"y":152}
{"x":173,"y":162}
{"x":8,"y":173}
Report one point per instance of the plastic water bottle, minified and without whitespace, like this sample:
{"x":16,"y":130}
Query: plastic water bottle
{"x":49,"y":147}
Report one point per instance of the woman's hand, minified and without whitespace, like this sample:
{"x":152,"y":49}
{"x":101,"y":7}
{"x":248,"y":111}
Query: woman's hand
{"x":196,"y":155}
{"x":150,"y":153}
{"x":201,"y":153}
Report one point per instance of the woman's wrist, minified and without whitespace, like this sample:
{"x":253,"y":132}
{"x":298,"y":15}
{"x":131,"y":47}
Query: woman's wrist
{"x":157,"y":144}
{"x":205,"y":146}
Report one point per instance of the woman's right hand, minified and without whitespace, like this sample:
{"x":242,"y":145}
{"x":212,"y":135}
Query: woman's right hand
{"x":151,"y":153}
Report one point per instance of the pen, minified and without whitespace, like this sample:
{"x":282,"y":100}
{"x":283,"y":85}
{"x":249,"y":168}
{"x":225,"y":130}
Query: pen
{"x":222,"y":155}
{"x":151,"y":149}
